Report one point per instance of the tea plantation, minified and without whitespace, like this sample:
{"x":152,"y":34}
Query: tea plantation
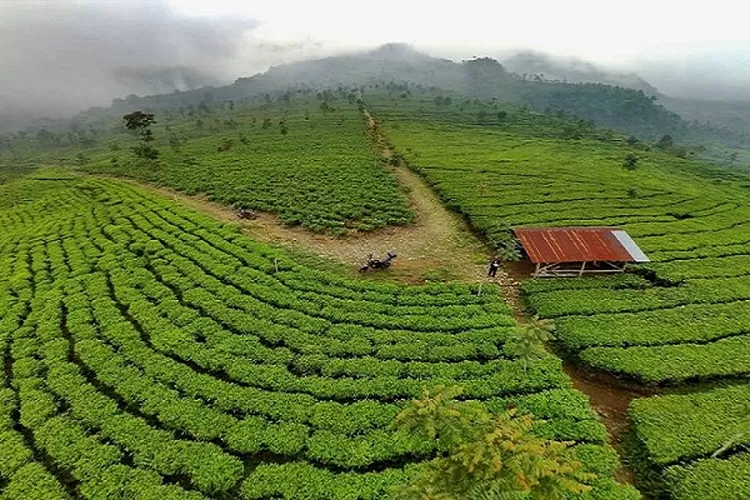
{"x":150,"y":352}
{"x":310,"y":166}
{"x":680,"y":320}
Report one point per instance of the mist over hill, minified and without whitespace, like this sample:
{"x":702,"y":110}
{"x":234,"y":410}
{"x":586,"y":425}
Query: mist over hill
{"x":720,"y":103}
{"x":580,"y":90}
{"x":590,"y":96}
{"x":573,"y":70}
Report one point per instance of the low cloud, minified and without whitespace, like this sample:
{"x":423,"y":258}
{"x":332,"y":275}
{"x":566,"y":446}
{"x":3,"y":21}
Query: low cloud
{"x":60,"y":57}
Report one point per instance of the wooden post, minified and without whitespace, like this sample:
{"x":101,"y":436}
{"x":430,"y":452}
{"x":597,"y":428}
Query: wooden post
{"x":583,"y":266}
{"x":536,"y":273}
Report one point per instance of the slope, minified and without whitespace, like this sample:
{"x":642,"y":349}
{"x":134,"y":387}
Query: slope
{"x":679,"y":321}
{"x":626,"y":110}
{"x":150,"y":349}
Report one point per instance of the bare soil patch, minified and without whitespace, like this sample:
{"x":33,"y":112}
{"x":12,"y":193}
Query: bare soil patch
{"x":438,"y":246}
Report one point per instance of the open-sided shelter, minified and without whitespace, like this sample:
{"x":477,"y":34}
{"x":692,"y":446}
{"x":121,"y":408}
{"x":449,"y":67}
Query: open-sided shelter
{"x":575,"y":251}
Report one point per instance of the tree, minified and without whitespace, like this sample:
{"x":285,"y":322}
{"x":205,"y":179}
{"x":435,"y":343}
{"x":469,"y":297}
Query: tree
{"x":175,"y":142}
{"x":502,"y":116}
{"x":45,"y":137}
{"x":140,"y":123}
{"x":225,"y":145}
{"x":439,"y":417}
{"x":666,"y":143}
{"x":502,"y":238}
{"x":631,"y":162}
{"x":483,"y":456}
{"x":529,"y":340}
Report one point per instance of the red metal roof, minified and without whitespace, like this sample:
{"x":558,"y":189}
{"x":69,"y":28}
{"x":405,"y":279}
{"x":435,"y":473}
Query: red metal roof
{"x":573,"y":244}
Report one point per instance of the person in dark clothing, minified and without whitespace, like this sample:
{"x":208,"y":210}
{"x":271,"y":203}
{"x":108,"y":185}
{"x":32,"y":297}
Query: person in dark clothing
{"x":494,"y":266}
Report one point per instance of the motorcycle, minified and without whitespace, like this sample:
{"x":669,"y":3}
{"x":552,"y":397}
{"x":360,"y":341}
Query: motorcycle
{"x":378,"y":263}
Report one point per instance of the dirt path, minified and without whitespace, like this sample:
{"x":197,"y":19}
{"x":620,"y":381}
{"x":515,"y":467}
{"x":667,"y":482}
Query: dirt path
{"x":437,"y":246}
{"x":610,"y":400}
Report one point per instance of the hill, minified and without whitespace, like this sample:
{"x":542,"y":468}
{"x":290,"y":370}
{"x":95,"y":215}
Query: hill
{"x":677,"y":324}
{"x":627,"y":110}
{"x":572,"y":70}
{"x":149,"y":349}
{"x":107,"y":284}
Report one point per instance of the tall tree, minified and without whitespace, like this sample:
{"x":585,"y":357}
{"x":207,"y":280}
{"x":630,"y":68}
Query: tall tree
{"x":140,"y":123}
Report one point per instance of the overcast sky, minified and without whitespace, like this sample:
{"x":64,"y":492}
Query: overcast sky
{"x":593,"y":29}
{"x":62,"y":55}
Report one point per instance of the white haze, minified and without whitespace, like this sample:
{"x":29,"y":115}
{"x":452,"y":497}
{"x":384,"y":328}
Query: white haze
{"x":60,"y":56}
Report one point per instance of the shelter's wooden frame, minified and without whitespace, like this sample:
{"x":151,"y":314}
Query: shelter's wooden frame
{"x":576,"y":269}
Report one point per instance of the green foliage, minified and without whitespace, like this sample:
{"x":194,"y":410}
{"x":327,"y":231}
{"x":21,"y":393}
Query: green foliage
{"x":225,"y":145}
{"x":681,"y":318}
{"x":504,"y":241}
{"x":717,"y":420}
{"x":631,"y":162}
{"x":529,"y":341}
{"x":711,"y":479}
{"x":324,"y":174}
{"x":484,"y":455}
{"x":144,"y":343}
{"x":140,"y":123}
{"x":146,"y":151}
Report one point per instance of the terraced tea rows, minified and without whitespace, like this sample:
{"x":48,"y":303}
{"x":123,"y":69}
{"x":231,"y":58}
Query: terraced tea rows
{"x":310,"y":167}
{"x":152,"y":353}
{"x":684,"y":318}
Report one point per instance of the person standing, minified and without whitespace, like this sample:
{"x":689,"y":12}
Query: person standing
{"x":494,"y":266}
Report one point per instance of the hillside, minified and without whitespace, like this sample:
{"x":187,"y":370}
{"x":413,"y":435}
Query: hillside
{"x":148,"y":348}
{"x":676,"y":326}
{"x":573,"y":70}
{"x":129,"y":320}
{"x":627,"y":110}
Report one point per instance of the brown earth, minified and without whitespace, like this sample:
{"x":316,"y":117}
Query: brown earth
{"x":610,"y":399}
{"x":438,"y":245}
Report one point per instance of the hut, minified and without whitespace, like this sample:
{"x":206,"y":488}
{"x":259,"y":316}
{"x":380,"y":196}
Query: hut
{"x":575,"y":251}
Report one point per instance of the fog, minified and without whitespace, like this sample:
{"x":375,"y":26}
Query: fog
{"x":61,"y":56}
